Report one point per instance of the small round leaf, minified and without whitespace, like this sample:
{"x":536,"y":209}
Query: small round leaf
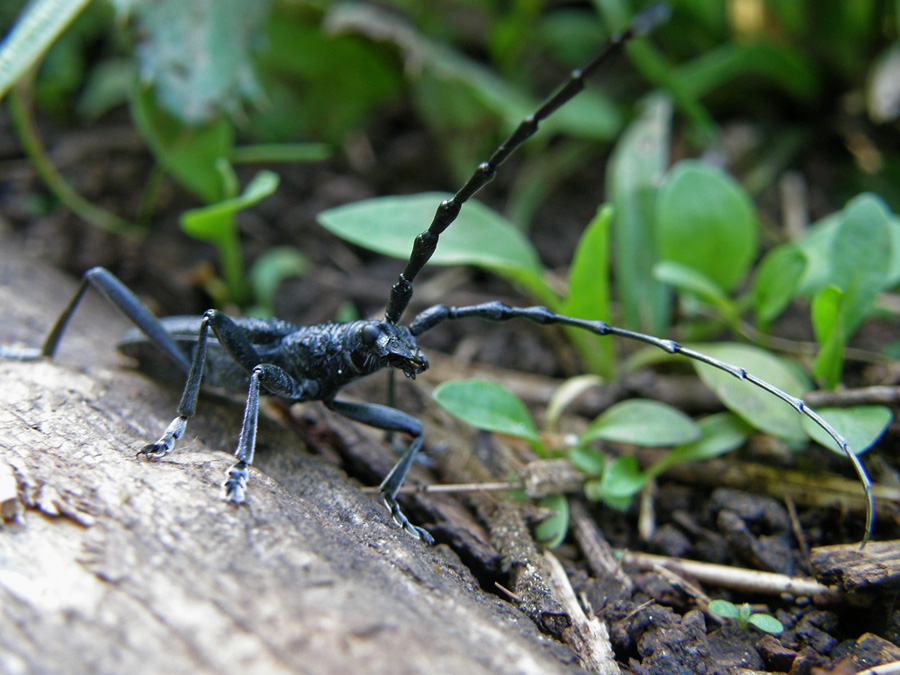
{"x":723,"y":608}
{"x":766,"y":623}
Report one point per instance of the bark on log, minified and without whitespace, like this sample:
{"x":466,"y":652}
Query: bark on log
{"x":110,"y":564}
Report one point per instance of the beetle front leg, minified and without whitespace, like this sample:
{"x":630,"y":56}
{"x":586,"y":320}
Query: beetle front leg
{"x":272,"y":378}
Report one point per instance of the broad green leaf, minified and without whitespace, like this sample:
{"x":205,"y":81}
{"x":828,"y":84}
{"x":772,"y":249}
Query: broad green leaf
{"x":776,"y":281}
{"x":588,"y":293}
{"x":191,"y":155}
{"x":551,"y":532}
{"x":197,"y":54}
{"x":479,"y":236}
{"x":707,"y":222}
{"x":828,"y":326}
{"x":39,"y":24}
{"x":862,"y":426}
{"x":758,"y":407}
{"x":817,"y":245}
{"x":720,"y":433}
{"x":621,"y":480}
{"x":486,"y":406}
{"x":723,"y":608}
{"x":766,"y":623}
{"x":642,"y":422}
{"x":693,"y":281}
{"x":634,"y":174}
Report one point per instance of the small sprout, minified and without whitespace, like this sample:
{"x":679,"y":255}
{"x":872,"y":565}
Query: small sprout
{"x":728,"y":610}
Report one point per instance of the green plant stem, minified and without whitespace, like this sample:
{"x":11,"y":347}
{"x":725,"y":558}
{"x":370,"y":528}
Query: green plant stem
{"x":20,"y":115}
{"x":232,"y":262}
{"x":281,"y":152}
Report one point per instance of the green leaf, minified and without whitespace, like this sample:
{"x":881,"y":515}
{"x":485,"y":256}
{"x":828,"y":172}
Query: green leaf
{"x":621,"y":480}
{"x":862,"y":426}
{"x":860,"y":258}
{"x":551,"y":532}
{"x":758,"y":407}
{"x":190,"y":154}
{"x":269,"y":270}
{"x":39,"y":24}
{"x":318,"y":84}
{"x":479,"y":236}
{"x":589,"y":115}
{"x":588,"y":296}
{"x":720,"y":433}
{"x":107,"y":86}
{"x":817,"y":245}
{"x":828,"y":326}
{"x":565,"y":394}
{"x":487,"y":406}
{"x":792,"y":70}
{"x":724,"y":608}
{"x":692,"y":281}
{"x":634,"y":174}
{"x":209,"y":222}
{"x":197,"y":54}
{"x":587,"y":460}
{"x":642,"y":422}
{"x":706,"y":221}
{"x":216,"y":224}
{"x":766,"y":623}
{"x":776,"y":281}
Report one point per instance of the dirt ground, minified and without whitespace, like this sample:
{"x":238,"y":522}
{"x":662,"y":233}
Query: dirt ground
{"x":742,"y":513}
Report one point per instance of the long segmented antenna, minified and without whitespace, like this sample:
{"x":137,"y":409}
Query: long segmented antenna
{"x":498,"y":311}
{"x":425,"y":244}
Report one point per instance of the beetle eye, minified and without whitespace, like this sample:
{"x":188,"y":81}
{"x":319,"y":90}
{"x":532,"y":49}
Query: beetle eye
{"x":369,"y":334}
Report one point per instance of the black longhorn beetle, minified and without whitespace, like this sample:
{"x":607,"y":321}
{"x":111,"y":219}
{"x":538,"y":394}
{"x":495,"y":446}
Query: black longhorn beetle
{"x":313,"y":363}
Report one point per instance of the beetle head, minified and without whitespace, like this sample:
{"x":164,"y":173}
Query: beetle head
{"x":391,"y":345}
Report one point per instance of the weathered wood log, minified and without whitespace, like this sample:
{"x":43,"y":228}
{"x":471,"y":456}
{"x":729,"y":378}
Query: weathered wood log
{"x":876,"y":567}
{"x":111,"y":564}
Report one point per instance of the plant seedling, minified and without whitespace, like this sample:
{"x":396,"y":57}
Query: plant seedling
{"x":744,"y":618}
